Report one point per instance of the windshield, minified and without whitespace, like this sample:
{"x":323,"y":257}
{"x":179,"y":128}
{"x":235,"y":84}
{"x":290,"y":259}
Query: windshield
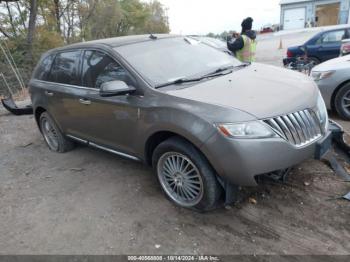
{"x":213,"y":42}
{"x":165,"y":60}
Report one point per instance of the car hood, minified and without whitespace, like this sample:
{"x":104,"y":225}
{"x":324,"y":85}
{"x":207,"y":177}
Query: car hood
{"x":334,"y":64}
{"x":261,"y":90}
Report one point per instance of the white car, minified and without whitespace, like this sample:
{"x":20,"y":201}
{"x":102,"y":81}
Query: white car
{"x":333,"y":80}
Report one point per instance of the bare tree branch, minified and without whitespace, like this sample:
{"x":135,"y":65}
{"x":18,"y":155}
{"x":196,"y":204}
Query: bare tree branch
{"x":21,"y":15}
{"x":11,"y":19}
{"x":4,"y":33}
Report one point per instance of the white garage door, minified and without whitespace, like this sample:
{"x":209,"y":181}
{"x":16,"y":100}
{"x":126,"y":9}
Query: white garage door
{"x":294,"y":18}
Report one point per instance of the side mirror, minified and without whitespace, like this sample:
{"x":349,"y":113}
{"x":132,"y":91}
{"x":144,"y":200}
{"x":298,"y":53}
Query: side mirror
{"x":115,"y":88}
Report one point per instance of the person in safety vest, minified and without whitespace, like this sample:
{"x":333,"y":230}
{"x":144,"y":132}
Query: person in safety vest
{"x":244,"y":45}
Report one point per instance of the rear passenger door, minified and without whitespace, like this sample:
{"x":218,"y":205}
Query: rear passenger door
{"x":330,"y":43}
{"x":62,"y":88}
{"x":39,"y":85}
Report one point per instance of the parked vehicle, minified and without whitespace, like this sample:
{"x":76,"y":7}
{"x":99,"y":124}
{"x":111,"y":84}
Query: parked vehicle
{"x":345,"y":47}
{"x":333,"y":80}
{"x":266,"y":29}
{"x":302,"y":64}
{"x":322,"y":47}
{"x":200,"y":117}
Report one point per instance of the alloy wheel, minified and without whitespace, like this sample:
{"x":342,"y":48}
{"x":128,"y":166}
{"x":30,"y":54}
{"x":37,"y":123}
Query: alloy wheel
{"x":345,"y":102}
{"x":50,"y":134}
{"x":180,"y":179}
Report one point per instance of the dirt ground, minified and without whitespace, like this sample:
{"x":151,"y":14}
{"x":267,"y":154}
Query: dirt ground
{"x":91,"y":202}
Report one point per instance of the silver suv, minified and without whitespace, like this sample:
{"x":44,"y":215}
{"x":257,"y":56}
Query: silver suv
{"x":201,"y":118}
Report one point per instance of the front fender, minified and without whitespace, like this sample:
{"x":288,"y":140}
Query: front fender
{"x":176,"y":121}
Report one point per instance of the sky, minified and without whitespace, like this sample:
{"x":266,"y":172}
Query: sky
{"x":204,"y":16}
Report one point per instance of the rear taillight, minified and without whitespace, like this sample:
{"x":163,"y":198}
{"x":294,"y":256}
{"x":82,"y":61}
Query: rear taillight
{"x":289,"y":54}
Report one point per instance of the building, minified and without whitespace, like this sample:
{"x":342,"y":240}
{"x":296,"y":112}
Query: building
{"x":297,"y":14}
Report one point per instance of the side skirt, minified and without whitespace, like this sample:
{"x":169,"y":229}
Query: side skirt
{"x":113,"y":151}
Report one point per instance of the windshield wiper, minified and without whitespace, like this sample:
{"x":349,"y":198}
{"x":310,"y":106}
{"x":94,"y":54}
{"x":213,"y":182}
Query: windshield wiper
{"x":179,"y":81}
{"x":219,"y":71}
{"x":216,"y":72}
{"x":243,"y":65}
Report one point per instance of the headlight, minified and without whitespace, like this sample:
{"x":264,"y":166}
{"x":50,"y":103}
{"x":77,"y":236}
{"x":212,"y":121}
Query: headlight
{"x":322,"y":113}
{"x":255,"y":129}
{"x":317,"y":76}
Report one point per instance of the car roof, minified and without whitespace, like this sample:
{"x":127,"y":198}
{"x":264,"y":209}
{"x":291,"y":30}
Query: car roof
{"x":328,"y":29}
{"x":343,"y":27}
{"x":117,"y":41}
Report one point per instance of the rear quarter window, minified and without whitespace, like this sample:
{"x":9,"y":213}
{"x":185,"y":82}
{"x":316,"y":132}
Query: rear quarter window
{"x":65,"y":68}
{"x":43,"y":70}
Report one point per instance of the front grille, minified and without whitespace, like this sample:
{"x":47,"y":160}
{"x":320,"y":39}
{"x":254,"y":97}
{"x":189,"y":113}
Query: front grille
{"x":299,"y":129}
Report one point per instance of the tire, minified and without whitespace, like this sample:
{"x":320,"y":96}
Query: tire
{"x":53,"y":137}
{"x":182,"y":188}
{"x":342,"y":102}
{"x":315,"y":60}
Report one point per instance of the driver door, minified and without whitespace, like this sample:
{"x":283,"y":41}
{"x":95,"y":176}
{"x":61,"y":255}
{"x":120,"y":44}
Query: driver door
{"x":107,"y":121}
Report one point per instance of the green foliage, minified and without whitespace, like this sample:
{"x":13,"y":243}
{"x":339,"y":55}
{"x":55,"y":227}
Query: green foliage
{"x":60,"y":22}
{"x":125,"y":17}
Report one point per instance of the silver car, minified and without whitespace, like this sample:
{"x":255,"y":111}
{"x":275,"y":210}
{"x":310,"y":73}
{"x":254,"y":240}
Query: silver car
{"x":333,"y":80}
{"x":204,"y":121}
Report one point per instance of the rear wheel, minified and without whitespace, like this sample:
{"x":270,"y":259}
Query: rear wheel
{"x":54,"y":138}
{"x":342,"y":102}
{"x":315,"y":61}
{"x":185,"y":175}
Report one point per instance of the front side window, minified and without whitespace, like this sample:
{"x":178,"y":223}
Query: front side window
{"x":65,"y":68}
{"x":99,"y":68}
{"x":43,"y":70}
{"x":333,"y":37}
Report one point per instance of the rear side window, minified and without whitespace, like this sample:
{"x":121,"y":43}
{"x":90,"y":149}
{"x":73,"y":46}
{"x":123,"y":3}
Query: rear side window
{"x":65,"y":68}
{"x":43,"y":70}
{"x":99,"y":68}
{"x":333,"y":37}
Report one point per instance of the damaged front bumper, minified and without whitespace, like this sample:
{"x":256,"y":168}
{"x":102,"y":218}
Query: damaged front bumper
{"x":11,"y":106}
{"x":240,"y":161}
{"x":323,"y":145}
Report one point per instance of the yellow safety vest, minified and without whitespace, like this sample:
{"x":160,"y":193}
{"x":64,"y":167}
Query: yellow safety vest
{"x":247,"y":53}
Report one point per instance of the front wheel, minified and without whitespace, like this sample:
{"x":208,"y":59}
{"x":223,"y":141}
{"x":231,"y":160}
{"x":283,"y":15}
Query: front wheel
{"x":185,"y":175}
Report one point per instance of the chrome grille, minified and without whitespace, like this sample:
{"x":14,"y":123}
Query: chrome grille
{"x":299,"y":128}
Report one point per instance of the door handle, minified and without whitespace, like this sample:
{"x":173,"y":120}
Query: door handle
{"x":84,"y":101}
{"x":48,"y":93}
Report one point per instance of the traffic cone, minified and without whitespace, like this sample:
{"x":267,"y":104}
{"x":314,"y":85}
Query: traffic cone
{"x":281,"y":45}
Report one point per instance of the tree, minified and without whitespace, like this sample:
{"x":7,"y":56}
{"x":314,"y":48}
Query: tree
{"x":30,"y":27}
{"x":157,"y":20}
{"x":33,"y":9}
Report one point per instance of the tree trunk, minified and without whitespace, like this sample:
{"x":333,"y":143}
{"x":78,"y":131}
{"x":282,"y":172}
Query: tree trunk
{"x":57,"y":15}
{"x":31,"y":28}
